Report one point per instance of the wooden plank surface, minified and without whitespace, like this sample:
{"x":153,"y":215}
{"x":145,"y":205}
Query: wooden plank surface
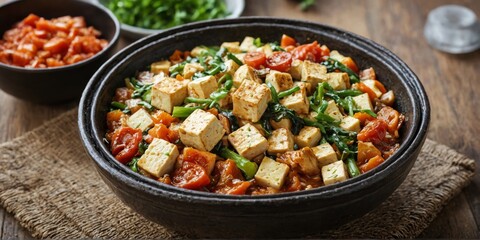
{"x":450,"y":80}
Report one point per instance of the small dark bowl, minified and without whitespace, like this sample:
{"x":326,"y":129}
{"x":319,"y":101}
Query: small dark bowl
{"x":296,"y":214}
{"x":52,"y":85}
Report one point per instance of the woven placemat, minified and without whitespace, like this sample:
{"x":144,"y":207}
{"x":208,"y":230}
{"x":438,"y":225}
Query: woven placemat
{"x":50,"y":185}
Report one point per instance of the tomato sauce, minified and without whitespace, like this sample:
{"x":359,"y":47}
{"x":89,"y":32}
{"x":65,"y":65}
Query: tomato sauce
{"x":36,"y":42}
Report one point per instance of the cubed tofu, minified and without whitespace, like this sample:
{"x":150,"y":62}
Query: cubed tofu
{"x":283,"y":123}
{"x":325,"y":154}
{"x":190,"y":69}
{"x":350,"y":124}
{"x":159,"y":158}
{"x":296,"y":69}
{"x":279,"y":80}
{"x":280,"y":141}
{"x":371,"y":84}
{"x":202,"y":87}
{"x":168,"y":93}
{"x":231,"y":67}
{"x":313,"y":73}
{"x":250,"y":100}
{"x":248,"y":141}
{"x":248,"y":44}
{"x":197,"y":51}
{"x":233,"y":47}
{"x":363,"y":102}
{"x":267,"y":49}
{"x":240,"y":56}
{"x":258,"y":126}
{"x":333,"y":111}
{"x":303,"y":161}
{"x":334,"y":172}
{"x":245,"y":73}
{"x":338,"y":80}
{"x":201,"y":130}
{"x":308,"y":137}
{"x":271,"y":173}
{"x":161,"y":66}
{"x":297,"y":101}
{"x":141,"y":119}
{"x":336,"y":55}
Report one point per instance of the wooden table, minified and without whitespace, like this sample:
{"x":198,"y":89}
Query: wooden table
{"x":450,"y":80}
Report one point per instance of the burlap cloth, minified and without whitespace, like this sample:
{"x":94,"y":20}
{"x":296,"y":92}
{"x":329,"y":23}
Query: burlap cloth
{"x":50,"y":185}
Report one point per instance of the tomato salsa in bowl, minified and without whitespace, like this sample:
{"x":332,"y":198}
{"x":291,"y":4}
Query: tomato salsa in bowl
{"x":50,"y":49}
{"x":278,"y":213}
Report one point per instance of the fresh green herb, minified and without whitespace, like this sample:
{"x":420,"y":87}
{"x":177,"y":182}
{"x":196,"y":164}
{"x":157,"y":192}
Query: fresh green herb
{"x":288,"y":92}
{"x":234,"y":58}
{"x":276,"y":47}
{"x":367,"y":111}
{"x":134,"y":164}
{"x":246,"y":166}
{"x":183,"y":112}
{"x":352,"y":167}
{"x":306,"y":4}
{"x":154,"y":14}
{"x":333,"y":65}
{"x":146,"y":105}
{"x":258,"y":42}
{"x":118,"y":105}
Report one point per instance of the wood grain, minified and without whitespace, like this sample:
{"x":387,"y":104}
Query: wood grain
{"x":450,"y":82}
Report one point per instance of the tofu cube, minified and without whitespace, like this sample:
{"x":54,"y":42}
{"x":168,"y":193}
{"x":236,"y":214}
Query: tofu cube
{"x":197,"y":51}
{"x":350,"y":124}
{"x":248,"y":141}
{"x":240,"y":56}
{"x":303,"y":161}
{"x":243,"y":73}
{"x":280,"y":141}
{"x":333,"y":111}
{"x":279,"y":80}
{"x":258,"y":126}
{"x":334,"y":172}
{"x":190,"y":69}
{"x":233,"y":47}
{"x":201,"y":130}
{"x":267,"y":49}
{"x":371,"y":84}
{"x":168,"y":93}
{"x":325,"y":154}
{"x":141,"y":119}
{"x":296,"y":69}
{"x":271,"y":173}
{"x":338,"y":80}
{"x":313,"y":73}
{"x":248,"y":45}
{"x":159,"y":158}
{"x":308,"y":137}
{"x":297,"y":101}
{"x":161,"y":66}
{"x":231,"y":67}
{"x":202,"y":87}
{"x":336,"y":55}
{"x":250,"y":100}
{"x":283,"y":123}
{"x":363,"y":102}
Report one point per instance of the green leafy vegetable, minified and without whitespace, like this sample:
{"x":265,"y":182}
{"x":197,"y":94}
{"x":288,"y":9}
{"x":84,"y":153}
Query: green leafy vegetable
{"x":333,"y":65}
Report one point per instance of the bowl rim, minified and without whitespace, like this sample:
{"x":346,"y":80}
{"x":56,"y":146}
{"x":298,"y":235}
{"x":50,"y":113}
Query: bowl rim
{"x":111,"y":43}
{"x":105,"y":161}
{"x":239,"y":8}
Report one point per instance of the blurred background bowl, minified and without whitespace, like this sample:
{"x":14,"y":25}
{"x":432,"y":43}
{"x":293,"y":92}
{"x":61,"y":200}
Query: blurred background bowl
{"x":53,"y":85}
{"x":294,"y":214}
{"x":234,"y":8}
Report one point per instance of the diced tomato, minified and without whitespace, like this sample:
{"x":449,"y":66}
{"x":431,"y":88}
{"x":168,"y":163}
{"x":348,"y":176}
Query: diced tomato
{"x":363,"y":117}
{"x":280,"y":61}
{"x":364,"y":88}
{"x":114,"y":119}
{"x":190,"y":176}
{"x":124,"y":144}
{"x":202,"y":158}
{"x":287,"y":41}
{"x":30,"y":19}
{"x":46,"y":25}
{"x":374,"y":131}
{"x":163,"y":117}
{"x":391,"y":117}
{"x":348,"y":61}
{"x":311,"y":51}
{"x":176,"y":57}
{"x":56,"y":45}
{"x":53,"y":62}
{"x":173,"y":135}
{"x":159,"y":131}
{"x":229,"y":178}
{"x":371,"y":164}
{"x":21,"y":58}
{"x":255,"y":59}
{"x":366,"y":151}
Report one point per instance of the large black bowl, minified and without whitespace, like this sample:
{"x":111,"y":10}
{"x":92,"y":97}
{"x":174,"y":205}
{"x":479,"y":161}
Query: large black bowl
{"x":283,"y":215}
{"x":57,"y":84}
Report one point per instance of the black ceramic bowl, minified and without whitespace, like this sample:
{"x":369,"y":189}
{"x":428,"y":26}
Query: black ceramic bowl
{"x":57,"y":84}
{"x":294,"y":214}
